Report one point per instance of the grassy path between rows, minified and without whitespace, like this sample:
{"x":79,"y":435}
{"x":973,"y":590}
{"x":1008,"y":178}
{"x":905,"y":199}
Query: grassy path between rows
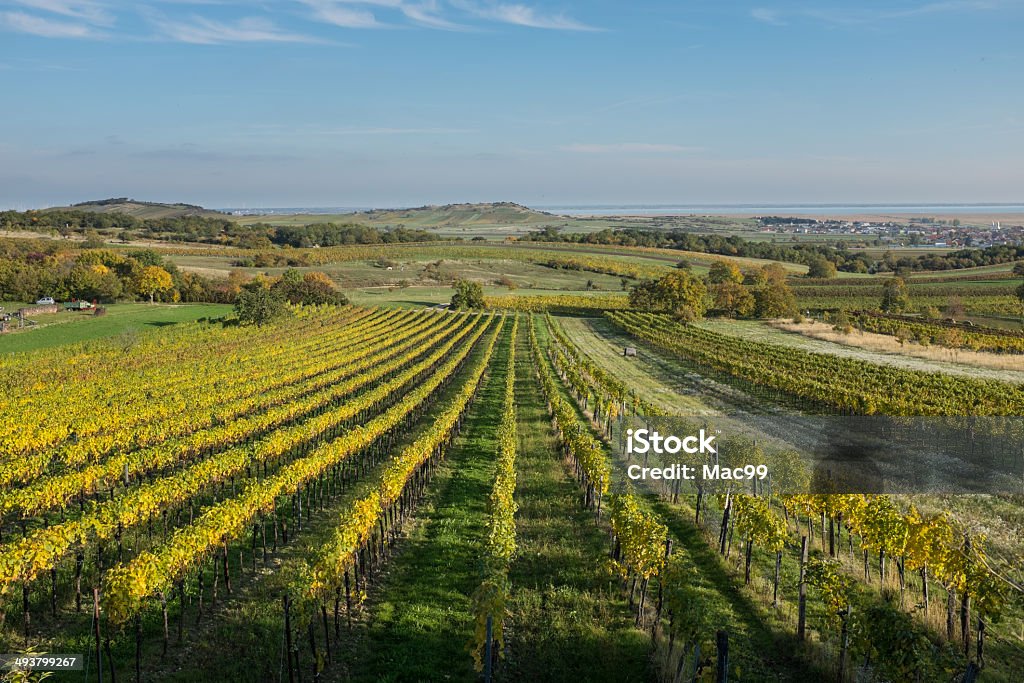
{"x":671,"y":383}
{"x":764,"y":648}
{"x":568,"y":620}
{"x":418,"y":619}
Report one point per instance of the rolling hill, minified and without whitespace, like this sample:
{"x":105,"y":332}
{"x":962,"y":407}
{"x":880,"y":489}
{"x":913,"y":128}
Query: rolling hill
{"x":458,"y":215}
{"x":449,"y":217}
{"x":141,"y":209}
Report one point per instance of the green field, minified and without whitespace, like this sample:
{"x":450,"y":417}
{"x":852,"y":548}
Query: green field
{"x":69,"y":327}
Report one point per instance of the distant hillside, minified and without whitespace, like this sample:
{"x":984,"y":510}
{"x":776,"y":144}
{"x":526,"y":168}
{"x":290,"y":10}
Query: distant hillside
{"x":141,"y":209}
{"x":455,"y":220}
{"x":456,"y":215}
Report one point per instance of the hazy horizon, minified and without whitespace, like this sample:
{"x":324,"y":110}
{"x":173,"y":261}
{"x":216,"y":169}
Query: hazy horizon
{"x":402,"y":103}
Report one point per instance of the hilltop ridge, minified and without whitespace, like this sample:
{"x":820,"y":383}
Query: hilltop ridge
{"x":141,"y":209}
{"x":452,"y":215}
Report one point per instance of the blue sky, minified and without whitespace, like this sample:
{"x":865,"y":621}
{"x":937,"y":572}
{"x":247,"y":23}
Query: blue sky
{"x":405,"y":102}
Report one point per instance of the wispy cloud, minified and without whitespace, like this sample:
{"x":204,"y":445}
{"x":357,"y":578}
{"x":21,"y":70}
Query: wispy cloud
{"x":767,"y":16}
{"x":948,"y":6}
{"x":93,"y":18}
{"x":342,"y":14}
{"x":523,"y":15}
{"x":47,"y":28}
{"x":204,"y":31}
{"x":428,"y":14}
{"x":353,"y":13}
{"x":91,"y":12}
{"x":862,"y":16}
{"x":629,"y":148}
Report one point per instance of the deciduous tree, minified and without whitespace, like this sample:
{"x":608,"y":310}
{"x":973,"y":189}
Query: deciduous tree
{"x":152,"y":280}
{"x":895,"y":295}
{"x":724,"y":271}
{"x":732,"y":299}
{"x":679,"y":292}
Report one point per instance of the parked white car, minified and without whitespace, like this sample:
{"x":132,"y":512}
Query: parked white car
{"x":46,"y":300}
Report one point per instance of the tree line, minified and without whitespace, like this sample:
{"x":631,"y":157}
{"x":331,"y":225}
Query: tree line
{"x":204,"y":229}
{"x":726,"y":291}
{"x":30,"y":269}
{"x":807,"y":254}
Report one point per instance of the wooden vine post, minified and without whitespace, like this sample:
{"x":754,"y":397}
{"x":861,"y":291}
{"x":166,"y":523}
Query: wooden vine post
{"x":801,"y":628}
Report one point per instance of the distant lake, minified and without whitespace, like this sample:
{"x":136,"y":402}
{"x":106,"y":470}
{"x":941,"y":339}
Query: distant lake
{"x":687,"y":209}
{"x":777,"y":209}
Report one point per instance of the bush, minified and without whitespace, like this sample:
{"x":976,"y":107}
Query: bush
{"x":313,"y":288}
{"x":821,"y":267}
{"x":258,"y":305}
{"x":468,"y":294}
{"x":685,"y":314}
{"x":843,"y":323}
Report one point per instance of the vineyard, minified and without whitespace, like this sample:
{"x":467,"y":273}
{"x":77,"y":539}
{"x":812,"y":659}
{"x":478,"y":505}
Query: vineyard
{"x":943,"y":333}
{"x":935,"y":548}
{"x":362,"y":493}
{"x":858,"y":298}
{"x":597,"y":261}
{"x":295,"y":386}
{"x":843,"y":384}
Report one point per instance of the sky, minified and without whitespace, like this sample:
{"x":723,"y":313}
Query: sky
{"x":409,"y":102}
